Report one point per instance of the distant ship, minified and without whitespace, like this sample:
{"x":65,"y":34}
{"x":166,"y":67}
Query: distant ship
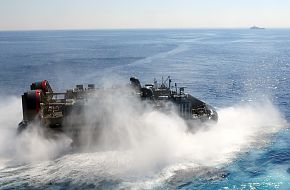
{"x":256,"y":28}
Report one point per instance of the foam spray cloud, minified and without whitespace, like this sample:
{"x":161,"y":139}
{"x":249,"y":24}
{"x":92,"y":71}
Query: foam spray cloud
{"x":123,"y":138}
{"x":29,"y":147}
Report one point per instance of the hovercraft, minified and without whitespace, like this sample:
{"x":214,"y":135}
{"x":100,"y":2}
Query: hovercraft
{"x":54,"y":110}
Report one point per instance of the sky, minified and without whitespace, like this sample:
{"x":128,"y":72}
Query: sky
{"x":108,"y":14}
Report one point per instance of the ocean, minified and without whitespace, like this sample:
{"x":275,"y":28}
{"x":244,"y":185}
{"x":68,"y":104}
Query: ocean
{"x":244,"y":74}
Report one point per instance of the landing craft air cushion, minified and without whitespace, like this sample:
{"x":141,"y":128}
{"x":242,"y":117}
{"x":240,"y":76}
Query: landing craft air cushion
{"x":40,"y":104}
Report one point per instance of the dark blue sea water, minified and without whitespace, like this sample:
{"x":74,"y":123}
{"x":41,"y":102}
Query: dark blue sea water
{"x":245,"y":74}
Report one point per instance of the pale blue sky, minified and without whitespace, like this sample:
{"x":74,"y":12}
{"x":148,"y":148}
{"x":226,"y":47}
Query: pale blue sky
{"x":100,"y":14}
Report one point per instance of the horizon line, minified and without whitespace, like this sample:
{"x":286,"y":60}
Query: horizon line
{"x":132,"y":28}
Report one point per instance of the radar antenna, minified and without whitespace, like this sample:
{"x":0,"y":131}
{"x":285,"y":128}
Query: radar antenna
{"x":169,"y":81}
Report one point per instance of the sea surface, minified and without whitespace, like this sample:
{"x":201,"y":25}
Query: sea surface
{"x":244,"y":74}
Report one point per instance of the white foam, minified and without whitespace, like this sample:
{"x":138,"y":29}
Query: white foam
{"x":31,"y":146}
{"x":139,"y":147}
